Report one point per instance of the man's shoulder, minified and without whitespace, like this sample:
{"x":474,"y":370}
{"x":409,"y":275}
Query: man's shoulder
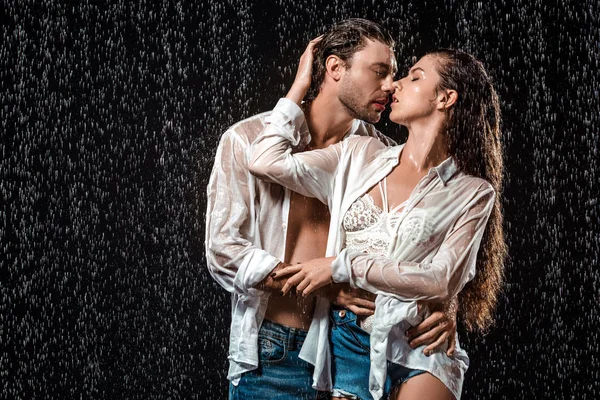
{"x":363,"y":128}
{"x":248,"y":129}
{"x":364,"y":144}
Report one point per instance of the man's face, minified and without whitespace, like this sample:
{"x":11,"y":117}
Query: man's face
{"x":366,"y":85}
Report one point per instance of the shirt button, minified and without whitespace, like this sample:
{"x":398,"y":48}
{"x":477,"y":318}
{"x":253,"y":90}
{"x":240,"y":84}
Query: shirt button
{"x":342,"y":313}
{"x":284,"y":225}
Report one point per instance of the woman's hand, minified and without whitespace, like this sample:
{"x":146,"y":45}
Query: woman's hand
{"x":304,"y":75}
{"x":307,"y":277}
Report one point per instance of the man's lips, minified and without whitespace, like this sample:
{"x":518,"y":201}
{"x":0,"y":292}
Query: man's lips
{"x":381,"y":103}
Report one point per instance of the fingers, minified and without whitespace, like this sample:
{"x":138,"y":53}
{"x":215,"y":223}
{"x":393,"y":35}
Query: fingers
{"x":292,"y":269}
{"x":360,"y":311}
{"x":346,"y":299}
{"x":364,"y":303}
{"x":309,"y":289}
{"x":313,"y":285}
{"x":300,"y":289}
{"x":434,"y":319}
{"x":434,"y":346}
{"x":291,"y":282}
{"x":427,"y":337}
{"x":363,"y":294}
{"x":316,"y":40}
{"x":308,"y":53}
{"x":451,"y":344}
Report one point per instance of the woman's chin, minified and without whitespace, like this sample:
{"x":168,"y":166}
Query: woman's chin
{"x":395,"y":118}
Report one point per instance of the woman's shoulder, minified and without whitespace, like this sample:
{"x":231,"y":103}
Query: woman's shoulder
{"x":473,"y":183}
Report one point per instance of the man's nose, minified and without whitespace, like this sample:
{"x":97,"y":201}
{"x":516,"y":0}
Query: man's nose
{"x":388,"y":84}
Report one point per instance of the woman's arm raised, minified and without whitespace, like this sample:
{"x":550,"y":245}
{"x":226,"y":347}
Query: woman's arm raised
{"x":273,"y":156}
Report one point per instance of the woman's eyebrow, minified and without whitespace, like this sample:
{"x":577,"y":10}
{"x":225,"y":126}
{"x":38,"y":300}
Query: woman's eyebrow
{"x":414,"y":69}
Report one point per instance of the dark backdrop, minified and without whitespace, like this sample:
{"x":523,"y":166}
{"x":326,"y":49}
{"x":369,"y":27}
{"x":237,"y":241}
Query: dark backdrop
{"x":110,"y":119}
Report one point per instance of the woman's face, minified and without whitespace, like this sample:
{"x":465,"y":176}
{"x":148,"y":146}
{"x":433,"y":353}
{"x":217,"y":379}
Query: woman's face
{"x":415,"y":96}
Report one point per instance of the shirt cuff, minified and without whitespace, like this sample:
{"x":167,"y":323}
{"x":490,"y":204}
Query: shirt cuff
{"x":289,"y":116}
{"x":255,"y":268}
{"x":340,"y":267}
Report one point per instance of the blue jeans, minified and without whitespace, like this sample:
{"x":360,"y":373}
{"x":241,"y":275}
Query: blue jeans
{"x":281,"y":374}
{"x":350,"y":347}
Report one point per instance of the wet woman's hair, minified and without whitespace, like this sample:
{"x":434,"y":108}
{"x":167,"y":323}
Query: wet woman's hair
{"x":473,"y":134}
{"x":343,"y":40}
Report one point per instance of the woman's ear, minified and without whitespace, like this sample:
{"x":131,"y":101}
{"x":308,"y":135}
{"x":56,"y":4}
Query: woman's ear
{"x":334,"y":67}
{"x":447,"y":99}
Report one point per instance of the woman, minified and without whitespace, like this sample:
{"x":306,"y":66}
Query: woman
{"x":413,"y":221}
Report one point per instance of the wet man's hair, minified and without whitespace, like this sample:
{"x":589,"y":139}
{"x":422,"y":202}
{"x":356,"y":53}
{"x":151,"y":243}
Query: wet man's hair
{"x":343,"y":40}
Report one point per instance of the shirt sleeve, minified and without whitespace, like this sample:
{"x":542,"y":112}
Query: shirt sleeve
{"x":443,"y":277}
{"x":233,"y":258}
{"x":309,"y":173}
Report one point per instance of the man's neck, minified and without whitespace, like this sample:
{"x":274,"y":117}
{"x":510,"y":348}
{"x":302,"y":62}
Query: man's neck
{"x":328,"y":121}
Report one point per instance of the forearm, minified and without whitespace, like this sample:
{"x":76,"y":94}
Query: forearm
{"x":440,"y":276}
{"x":274,"y":159}
{"x":239,"y":268}
{"x":404,"y":280}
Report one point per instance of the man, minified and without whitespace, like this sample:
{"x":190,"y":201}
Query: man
{"x":253,"y":227}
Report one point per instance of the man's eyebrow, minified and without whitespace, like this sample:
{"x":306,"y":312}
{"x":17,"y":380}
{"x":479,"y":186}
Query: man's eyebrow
{"x":382,"y":65}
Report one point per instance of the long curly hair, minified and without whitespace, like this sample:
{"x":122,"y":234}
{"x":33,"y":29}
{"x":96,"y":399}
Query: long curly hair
{"x":473,"y":134}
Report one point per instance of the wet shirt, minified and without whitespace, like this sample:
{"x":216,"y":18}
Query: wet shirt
{"x":369,"y":229}
{"x":431,"y":253}
{"x":246,"y":223}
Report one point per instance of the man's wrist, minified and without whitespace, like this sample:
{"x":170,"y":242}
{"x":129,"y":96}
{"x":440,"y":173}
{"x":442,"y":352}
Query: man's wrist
{"x":269,"y":284}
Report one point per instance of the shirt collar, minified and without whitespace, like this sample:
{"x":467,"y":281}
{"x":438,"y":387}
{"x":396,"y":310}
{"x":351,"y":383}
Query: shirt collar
{"x":393,"y":151}
{"x":444,"y":171}
{"x":356,"y":124}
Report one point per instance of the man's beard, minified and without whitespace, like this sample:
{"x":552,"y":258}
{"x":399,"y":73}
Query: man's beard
{"x":352,"y":104}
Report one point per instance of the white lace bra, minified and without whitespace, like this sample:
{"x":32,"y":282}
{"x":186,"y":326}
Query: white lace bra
{"x":369,"y":229}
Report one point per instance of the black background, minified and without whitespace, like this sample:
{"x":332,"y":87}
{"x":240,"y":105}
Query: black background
{"x":110,"y":119}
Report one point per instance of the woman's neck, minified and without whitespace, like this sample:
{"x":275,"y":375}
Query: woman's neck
{"x":426,"y":146}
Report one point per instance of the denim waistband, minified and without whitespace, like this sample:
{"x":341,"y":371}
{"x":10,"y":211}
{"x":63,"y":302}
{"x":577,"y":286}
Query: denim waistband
{"x":292,"y":336}
{"x":341,"y":316}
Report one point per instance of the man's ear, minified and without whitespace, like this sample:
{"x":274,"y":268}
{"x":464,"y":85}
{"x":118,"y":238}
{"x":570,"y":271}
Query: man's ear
{"x":335,"y":67}
{"x":447,"y":98}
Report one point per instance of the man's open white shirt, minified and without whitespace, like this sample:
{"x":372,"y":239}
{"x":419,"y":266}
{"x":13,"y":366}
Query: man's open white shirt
{"x":246,"y":228}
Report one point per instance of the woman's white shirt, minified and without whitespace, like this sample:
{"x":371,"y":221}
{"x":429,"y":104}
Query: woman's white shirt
{"x":431,"y":256}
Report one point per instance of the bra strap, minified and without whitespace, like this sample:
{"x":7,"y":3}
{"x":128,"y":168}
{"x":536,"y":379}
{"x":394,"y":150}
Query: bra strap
{"x":383,"y":191}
